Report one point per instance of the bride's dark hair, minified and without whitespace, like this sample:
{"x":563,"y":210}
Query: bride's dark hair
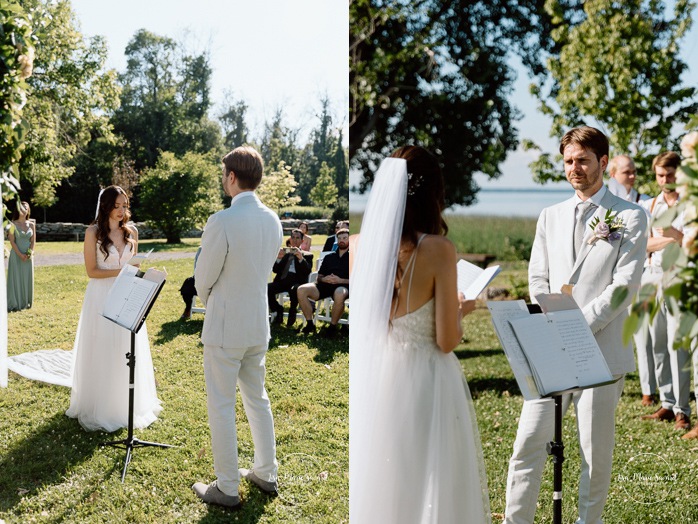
{"x":425,"y":193}
{"x":107,"y":200}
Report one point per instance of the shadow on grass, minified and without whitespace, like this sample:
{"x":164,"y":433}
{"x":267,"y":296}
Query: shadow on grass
{"x":326,"y":348}
{"x":462,"y":354}
{"x":253,"y":507}
{"x":172,"y":329}
{"x":45,"y":458}
{"x":498,"y":384}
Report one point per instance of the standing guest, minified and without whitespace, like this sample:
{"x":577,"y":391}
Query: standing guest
{"x":623,"y":173}
{"x":671,"y":367}
{"x":20,"y":266}
{"x":331,"y":242}
{"x":565,"y":258}
{"x":99,"y":397}
{"x":238,"y":249}
{"x":307,"y":239}
{"x":415,"y":454}
{"x":332,"y":281}
{"x":292,"y":267}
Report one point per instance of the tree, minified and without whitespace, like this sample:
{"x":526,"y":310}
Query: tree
{"x":180,"y":193}
{"x":324,"y":194}
{"x":617,"y":65}
{"x":435,"y":72}
{"x":165,"y":101}
{"x":276,"y":188}
{"x":16,"y":63}
{"x":232,"y":119}
{"x":70,"y":99}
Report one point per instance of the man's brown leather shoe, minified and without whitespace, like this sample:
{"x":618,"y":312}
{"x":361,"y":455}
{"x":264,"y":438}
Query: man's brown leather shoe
{"x":663,"y":414}
{"x":648,"y":400}
{"x":682,"y":422}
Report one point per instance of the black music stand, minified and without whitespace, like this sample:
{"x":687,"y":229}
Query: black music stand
{"x":130,"y":441}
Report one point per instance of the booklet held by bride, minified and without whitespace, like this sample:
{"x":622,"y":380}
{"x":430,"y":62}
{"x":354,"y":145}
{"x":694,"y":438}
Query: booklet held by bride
{"x":131,"y":296}
{"x":552,"y":352}
{"x":472,"y":280}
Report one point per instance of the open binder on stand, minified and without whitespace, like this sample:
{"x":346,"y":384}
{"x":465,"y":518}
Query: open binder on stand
{"x":128,"y":304}
{"x":551,"y":351}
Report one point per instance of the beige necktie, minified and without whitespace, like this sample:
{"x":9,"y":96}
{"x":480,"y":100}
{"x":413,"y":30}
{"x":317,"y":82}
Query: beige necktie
{"x":583,"y":209}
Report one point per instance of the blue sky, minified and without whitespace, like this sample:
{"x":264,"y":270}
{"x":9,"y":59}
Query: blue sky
{"x":270,"y":53}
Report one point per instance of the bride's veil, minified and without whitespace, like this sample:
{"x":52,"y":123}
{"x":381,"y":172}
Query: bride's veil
{"x":372,"y":282}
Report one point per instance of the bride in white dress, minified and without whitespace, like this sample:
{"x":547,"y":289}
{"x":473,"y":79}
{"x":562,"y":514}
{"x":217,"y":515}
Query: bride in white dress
{"x":99,"y":396}
{"x":414,"y":449}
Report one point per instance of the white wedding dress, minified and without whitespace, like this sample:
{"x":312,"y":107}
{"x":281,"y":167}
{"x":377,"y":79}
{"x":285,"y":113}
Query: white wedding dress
{"x":414,"y":449}
{"x":99,"y":396}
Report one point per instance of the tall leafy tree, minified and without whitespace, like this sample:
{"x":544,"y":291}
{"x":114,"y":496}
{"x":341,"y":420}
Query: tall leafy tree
{"x":435,"y":72}
{"x":70,"y":101}
{"x":165,"y":101}
{"x":16,"y":64}
{"x":617,"y":67}
{"x":277,"y":188}
{"x":324,"y":193}
{"x":233,"y":121}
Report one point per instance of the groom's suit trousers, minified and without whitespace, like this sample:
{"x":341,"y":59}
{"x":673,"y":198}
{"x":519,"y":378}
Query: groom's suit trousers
{"x":224,"y":368}
{"x":595,"y":408}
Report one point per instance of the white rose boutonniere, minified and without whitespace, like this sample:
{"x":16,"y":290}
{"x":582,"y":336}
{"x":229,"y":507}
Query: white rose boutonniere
{"x":607,"y":229}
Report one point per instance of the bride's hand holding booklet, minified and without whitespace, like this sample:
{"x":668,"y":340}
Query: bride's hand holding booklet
{"x":139,"y":258}
{"x":472,"y":280}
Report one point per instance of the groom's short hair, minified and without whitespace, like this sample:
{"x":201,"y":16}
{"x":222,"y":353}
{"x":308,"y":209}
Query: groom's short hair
{"x":247,"y":164}
{"x":589,"y":138}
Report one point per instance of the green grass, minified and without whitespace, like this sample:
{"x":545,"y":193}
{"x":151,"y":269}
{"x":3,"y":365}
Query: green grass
{"x":51,"y":470}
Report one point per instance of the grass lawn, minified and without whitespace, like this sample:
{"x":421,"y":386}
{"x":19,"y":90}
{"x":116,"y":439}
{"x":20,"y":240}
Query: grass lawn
{"x":51,"y":470}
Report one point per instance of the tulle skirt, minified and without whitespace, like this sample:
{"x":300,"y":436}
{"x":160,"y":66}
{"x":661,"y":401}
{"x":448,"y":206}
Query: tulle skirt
{"x":99,"y":396}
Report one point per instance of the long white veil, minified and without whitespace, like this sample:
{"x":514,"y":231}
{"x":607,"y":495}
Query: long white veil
{"x":372,"y":281}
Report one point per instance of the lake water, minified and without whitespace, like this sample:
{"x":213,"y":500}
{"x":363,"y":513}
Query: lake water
{"x":494,"y":202}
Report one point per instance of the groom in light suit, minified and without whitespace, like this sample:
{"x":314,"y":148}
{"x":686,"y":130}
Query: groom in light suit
{"x":238,"y":249}
{"x":590,"y":272}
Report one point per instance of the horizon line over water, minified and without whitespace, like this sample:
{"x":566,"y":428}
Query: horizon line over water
{"x":514,"y":202}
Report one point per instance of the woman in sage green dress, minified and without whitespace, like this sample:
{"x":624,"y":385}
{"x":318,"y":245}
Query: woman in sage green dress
{"x":20,"y":267}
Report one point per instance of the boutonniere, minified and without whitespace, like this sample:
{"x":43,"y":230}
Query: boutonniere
{"x":607,"y":229}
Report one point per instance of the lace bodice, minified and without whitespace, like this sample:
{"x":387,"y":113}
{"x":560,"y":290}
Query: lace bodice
{"x":113,"y":260}
{"x":415,"y":330}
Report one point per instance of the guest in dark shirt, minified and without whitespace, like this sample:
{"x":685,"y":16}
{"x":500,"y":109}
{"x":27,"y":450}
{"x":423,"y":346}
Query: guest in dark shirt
{"x":292,"y":268}
{"x":331,"y":242}
{"x":332,"y":281}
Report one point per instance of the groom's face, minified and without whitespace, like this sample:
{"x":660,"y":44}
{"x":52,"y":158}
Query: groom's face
{"x":582,"y":168}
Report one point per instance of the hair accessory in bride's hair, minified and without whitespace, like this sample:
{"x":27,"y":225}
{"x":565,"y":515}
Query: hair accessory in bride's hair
{"x":99,"y":200}
{"x":411,"y":186}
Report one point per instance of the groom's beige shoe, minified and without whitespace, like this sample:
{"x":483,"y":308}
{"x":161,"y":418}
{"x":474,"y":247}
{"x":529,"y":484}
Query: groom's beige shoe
{"x":270,"y":488}
{"x":210,"y":494}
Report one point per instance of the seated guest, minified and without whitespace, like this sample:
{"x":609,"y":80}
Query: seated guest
{"x":331,"y":242}
{"x":188,"y":291}
{"x":292,"y":268}
{"x":332,"y":281}
{"x":307,"y":239}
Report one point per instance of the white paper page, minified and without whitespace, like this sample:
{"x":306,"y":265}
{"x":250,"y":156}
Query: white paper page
{"x":128,"y":297}
{"x":139,"y":258}
{"x":155,"y":275}
{"x":581,"y":346}
{"x":550,"y":363}
{"x":472,"y":280}
{"x":502,"y":312}
{"x":556,"y":302}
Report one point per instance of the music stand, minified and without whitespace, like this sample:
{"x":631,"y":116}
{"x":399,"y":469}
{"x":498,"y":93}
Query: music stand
{"x":130,"y":441}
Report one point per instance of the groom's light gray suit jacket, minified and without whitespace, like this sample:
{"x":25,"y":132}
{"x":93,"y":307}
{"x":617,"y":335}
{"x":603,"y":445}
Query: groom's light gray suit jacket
{"x":599,"y":269}
{"x":238,"y":249}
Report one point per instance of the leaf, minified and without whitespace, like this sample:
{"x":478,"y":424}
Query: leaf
{"x":619,"y":296}
{"x":630,"y":326}
{"x":670,"y":255}
{"x":666,"y":218}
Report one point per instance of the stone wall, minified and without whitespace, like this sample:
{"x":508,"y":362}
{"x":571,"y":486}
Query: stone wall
{"x":67,"y":231}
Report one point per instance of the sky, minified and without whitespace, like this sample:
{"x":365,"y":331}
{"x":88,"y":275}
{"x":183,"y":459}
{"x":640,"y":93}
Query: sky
{"x":270,"y":53}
